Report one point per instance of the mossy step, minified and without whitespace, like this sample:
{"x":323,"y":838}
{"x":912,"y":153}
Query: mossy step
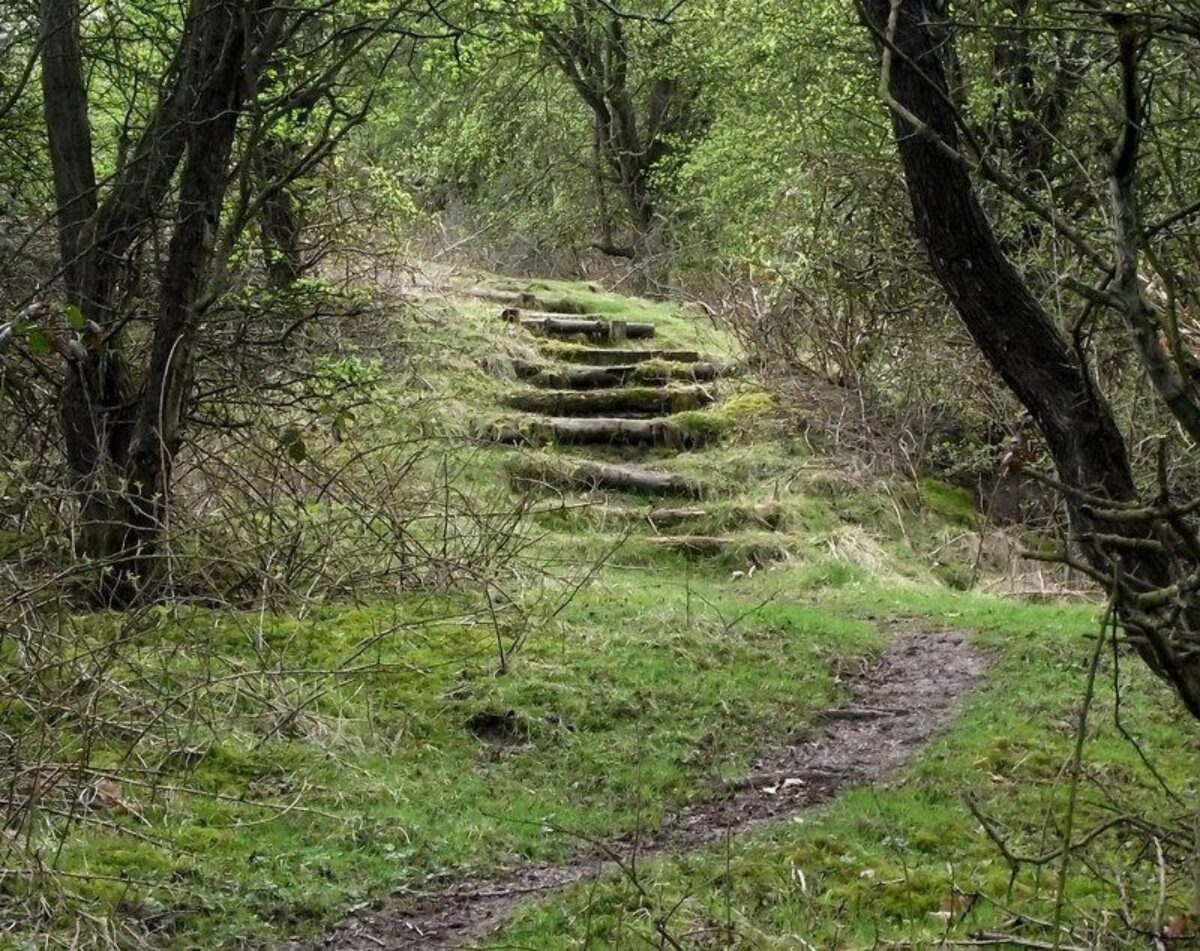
{"x":604,"y":356}
{"x":586,"y":475}
{"x":597,"y":327}
{"x":528,"y":300}
{"x":767,"y":515}
{"x":644,"y":401}
{"x":583,"y":377}
{"x":758,"y":550}
{"x":682,"y":431}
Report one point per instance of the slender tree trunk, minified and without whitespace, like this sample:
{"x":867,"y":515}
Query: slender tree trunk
{"x":64,"y":102}
{"x":156,"y":435}
{"x":120,"y":444}
{"x":279,"y":218}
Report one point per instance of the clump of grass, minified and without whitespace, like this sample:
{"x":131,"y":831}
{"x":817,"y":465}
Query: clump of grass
{"x":952,"y":503}
{"x":736,"y":414}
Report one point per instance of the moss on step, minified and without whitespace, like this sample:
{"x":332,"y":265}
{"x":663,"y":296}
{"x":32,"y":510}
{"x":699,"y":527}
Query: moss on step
{"x":657,"y":372}
{"x":735,"y":413}
{"x":679,"y":431}
{"x":606,"y":356}
{"x":582,"y":376}
{"x":537,"y":471}
{"x":656,"y":401}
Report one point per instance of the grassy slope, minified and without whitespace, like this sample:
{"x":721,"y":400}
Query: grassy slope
{"x":887,"y":864}
{"x":653,"y":683}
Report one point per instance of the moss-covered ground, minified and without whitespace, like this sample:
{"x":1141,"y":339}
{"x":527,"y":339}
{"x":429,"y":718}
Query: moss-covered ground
{"x":614,"y":681}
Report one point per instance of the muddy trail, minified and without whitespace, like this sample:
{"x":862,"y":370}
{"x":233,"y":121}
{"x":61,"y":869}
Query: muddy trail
{"x":898,"y":702}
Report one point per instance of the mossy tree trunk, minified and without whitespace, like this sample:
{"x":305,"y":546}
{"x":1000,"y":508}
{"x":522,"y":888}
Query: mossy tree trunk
{"x":1023,"y":343}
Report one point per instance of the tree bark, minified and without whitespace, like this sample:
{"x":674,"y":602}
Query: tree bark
{"x":279,"y":217}
{"x":1013,"y":331}
{"x":211,"y":124}
{"x":64,"y":103}
{"x":119,"y":443}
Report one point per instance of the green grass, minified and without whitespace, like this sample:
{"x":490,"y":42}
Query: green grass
{"x":656,"y":682}
{"x":392,"y":785}
{"x":883,"y":864}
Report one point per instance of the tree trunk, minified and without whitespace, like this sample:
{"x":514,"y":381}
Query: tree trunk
{"x":64,"y":103}
{"x":212,"y":121}
{"x":1015,"y":334}
{"x":279,"y":218}
{"x":120,"y":444}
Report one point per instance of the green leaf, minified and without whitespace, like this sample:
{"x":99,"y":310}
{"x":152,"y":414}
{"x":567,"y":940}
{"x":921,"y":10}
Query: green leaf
{"x":292,"y":440}
{"x":75,"y":318}
{"x":39,"y":341}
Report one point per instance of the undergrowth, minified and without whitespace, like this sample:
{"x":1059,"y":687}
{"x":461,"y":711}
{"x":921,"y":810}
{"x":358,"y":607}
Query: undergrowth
{"x":305,"y":755}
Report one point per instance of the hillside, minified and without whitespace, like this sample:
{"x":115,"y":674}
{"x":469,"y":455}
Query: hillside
{"x":707,"y":687}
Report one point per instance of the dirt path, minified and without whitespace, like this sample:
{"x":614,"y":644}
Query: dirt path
{"x":899,"y":702}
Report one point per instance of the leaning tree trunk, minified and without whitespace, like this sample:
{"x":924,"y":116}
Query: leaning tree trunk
{"x":1015,"y":334}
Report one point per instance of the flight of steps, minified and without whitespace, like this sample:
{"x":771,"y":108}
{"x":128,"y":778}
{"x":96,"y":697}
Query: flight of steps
{"x":602,"y":388}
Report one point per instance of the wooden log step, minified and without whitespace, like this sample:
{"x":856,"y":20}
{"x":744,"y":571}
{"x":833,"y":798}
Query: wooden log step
{"x":528,"y":300}
{"x":661,"y":372}
{"x":606,"y":357}
{"x":757,"y":551}
{"x":571,"y":377}
{"x":601,"y":431}
{"x":567,"y":325}
{"x":585,"y":475}
{"x":581,"y":377}
{"x":766,"y":515}
{"x":645,"y":401}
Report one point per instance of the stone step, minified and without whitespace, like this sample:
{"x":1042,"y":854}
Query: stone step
{"x":583,"y":377}
{"x":610,"y":329}
{"x":586,"y":475}
{"x":631,"y":401}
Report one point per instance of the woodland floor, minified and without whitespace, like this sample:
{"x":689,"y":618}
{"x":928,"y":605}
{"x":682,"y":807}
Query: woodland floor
{"x":675,"y":495}
{"x":741,"y":697}
{"x":898,"y":702}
